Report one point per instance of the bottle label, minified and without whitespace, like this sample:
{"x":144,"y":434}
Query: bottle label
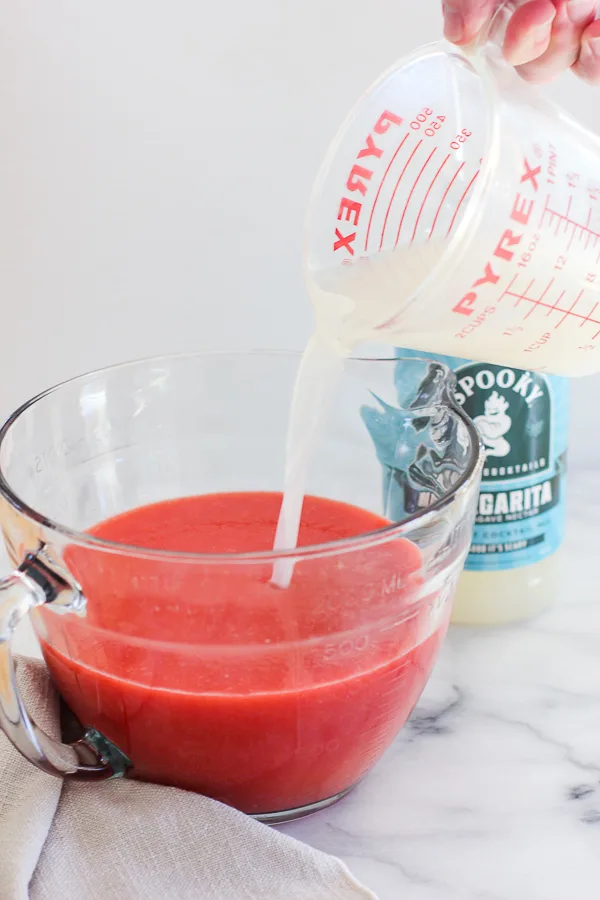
{"x":522,"y":418}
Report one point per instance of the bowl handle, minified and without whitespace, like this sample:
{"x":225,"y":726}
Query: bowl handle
{"x":93,"y":757}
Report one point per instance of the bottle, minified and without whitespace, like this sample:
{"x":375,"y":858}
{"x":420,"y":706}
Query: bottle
{"x":512,"y":571}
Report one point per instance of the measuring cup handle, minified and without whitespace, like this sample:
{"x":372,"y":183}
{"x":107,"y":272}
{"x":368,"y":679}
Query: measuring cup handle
{"x":93,"y":757}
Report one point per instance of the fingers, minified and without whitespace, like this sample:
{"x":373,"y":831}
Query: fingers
{"x":570,"y":21}
{"x":588,"y":64}
{"x":543,"y":37}
{"x":463,"y":19}
{"x":529,"y":32}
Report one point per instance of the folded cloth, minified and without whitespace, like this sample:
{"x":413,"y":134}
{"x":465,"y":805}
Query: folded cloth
{"x":124,"y":840}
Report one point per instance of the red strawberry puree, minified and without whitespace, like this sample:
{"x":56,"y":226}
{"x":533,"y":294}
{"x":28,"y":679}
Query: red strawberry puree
{"x":211,"y":679}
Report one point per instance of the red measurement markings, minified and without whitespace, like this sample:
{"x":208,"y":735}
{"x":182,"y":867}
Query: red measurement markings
{"x":400,"y":177}
{"x":433,"y":180}
{"x":554,"y":307}
{"x":573,"y":235}
{"x":567,"y":214}
{"x":560,"y":217}
{"x":409,"y":198}
{"x":558,"y":221}
{"x":442,"y":201}
{"x":544,"y":211}
{"x":460,"y":202}
{"x":535,"y":301}
{"x":581,"y":231}
{"x":570,"y":311}
{"x":588,"y":318}
{"x":540,"y":299}
{"x":507,"y":291}
{"x":590,"y":233}
{"x":385,"y":174}
{"x":522,"y":296}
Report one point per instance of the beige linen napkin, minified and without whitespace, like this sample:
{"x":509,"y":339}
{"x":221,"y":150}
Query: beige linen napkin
{"x":123,"y":840}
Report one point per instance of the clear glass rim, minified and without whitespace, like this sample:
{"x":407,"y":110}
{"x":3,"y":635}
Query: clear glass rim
{"x":330,"y":548}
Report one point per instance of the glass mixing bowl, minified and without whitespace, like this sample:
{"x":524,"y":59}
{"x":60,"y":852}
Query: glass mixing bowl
{"x":192,"y":669}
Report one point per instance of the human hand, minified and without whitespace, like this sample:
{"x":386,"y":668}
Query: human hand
{"x":543,"y":37}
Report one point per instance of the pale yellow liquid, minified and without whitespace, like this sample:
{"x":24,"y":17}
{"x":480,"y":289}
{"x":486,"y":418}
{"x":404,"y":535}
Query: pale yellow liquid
{"x":498,"y":598}
{"x":350,"y":303}
{"x":320,"y":369}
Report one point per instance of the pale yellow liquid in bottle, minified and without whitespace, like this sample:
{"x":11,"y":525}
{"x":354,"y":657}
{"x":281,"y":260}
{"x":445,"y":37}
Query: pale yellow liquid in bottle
{"x":509,"y":595}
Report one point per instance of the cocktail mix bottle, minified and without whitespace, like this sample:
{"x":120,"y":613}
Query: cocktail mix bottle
{"x":512,"y":571}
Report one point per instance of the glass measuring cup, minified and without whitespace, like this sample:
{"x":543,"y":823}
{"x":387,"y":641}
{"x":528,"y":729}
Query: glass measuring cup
{"x":458,"y":212}
{"x":277,"y":714}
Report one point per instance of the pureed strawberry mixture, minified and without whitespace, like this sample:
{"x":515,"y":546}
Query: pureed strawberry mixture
{"x":212,"y":679}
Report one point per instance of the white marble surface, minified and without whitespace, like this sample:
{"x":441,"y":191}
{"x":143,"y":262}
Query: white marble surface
{"x":492,"y":792}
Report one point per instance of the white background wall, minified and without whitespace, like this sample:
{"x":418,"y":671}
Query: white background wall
{"x":155,"y":162}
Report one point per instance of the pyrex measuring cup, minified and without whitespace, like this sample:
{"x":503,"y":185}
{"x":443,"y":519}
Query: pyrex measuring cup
{"x":458,"y":211}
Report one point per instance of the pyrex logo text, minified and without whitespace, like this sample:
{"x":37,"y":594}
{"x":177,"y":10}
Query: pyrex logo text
{"x":521,"y":213}
{"x":350,"y":208}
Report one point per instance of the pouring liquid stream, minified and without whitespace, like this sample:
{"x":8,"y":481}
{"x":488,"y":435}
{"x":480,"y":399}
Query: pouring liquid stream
{"x":352,"y":303}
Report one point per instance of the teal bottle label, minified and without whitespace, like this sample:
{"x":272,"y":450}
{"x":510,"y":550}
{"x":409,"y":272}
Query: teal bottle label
{"x":522,"y":418}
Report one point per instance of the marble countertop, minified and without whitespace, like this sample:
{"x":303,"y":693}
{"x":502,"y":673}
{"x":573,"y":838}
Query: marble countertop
{"x":492,"y":791}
